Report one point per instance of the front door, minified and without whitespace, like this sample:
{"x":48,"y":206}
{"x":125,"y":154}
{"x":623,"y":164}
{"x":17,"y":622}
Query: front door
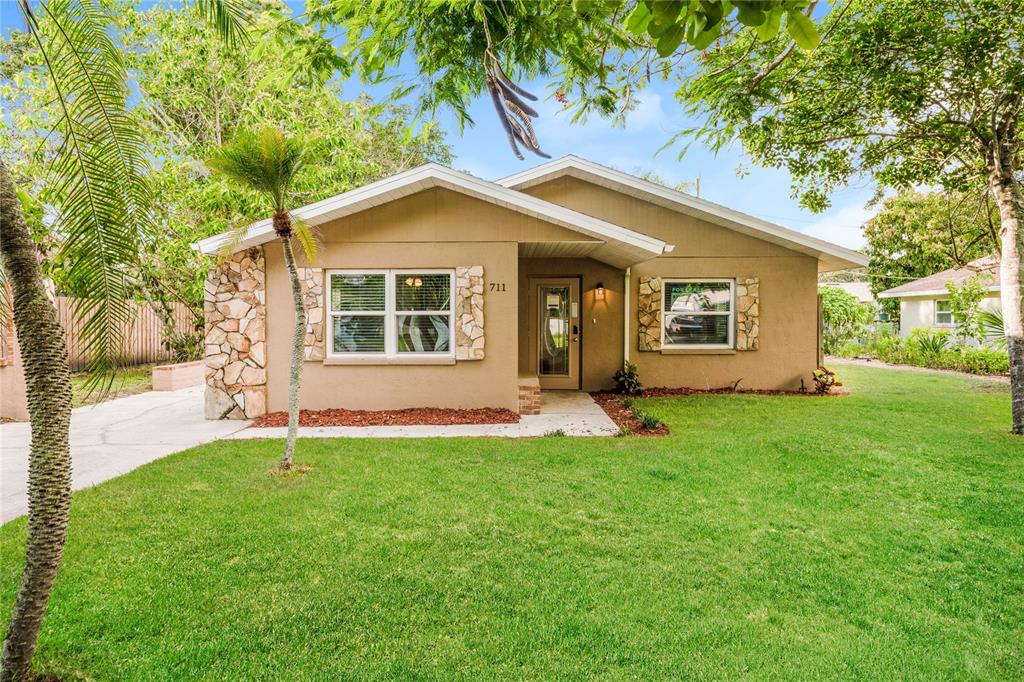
{"x":556,"y":329}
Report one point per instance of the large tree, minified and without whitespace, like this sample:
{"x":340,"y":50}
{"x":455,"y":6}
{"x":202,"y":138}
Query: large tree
{"x":195,"y":92}
{"x":905,"y":92}
{"x":917,"y":233}
{"x":600,"y":53}
{"x":101,"y":210}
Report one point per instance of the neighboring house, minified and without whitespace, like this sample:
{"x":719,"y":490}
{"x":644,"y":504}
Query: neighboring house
{"x":925,"y":302}
{"x":436,"y":288}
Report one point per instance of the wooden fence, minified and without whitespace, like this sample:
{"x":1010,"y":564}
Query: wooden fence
{"x":143,"y":341}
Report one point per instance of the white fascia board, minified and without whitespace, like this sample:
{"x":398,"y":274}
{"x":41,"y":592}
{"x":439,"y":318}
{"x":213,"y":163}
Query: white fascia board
{"x":925,"y":294}
{"x":434,"y":175}
{"x":670,"y":198}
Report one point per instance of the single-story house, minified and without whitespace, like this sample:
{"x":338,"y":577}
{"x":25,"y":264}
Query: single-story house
{"x":925,"y":302}
{"x":436,"y":288}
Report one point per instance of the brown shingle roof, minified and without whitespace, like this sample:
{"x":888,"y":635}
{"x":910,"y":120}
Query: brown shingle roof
{"x":937,"y":282}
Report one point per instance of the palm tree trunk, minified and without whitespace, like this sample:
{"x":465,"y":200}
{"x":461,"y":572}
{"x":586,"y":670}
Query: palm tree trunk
{"x":298,"y":341}
{"x":48,"y":383}
{"x":1008,"y":198}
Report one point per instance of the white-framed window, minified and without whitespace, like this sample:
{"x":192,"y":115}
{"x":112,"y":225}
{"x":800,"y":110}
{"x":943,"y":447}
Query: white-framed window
{"x":943,"y":313}
{"x":698,"y":313}
{"x":391,"y":313}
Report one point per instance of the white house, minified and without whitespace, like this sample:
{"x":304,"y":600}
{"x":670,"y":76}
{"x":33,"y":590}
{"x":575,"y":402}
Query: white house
{"x":925,"y":302}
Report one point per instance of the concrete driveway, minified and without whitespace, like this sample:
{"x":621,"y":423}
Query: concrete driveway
{"x":112,"y":438}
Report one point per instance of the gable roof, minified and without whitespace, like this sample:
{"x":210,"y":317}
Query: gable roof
{"x":617,"y":245}
{"x":933,"y":285}
{"x":830,"y":256}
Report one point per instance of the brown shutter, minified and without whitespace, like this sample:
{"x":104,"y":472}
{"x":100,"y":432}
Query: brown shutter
{"x":748,"y":311}
{"x":648,"y":310}
{"x":469,"y":312}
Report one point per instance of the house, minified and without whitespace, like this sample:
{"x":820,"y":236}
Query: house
{"x":436,"y":288}
{"x":925,"y":302}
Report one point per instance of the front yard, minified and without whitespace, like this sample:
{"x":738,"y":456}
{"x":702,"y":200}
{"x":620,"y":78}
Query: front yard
{"x":878,"y":535}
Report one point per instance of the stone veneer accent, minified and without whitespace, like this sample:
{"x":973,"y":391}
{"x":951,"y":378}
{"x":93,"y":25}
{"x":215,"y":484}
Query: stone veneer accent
{"x":236,"y":337}
{"x":648,"y":310}
{"x":748,"y":309}
{"x":529,"y":395}
{"x":469,"y":312}
{"x":312,"y":280}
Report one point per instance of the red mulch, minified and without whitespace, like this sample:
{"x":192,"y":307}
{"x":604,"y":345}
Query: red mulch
{"x":623,"y":416}
{"x":419,"y":416}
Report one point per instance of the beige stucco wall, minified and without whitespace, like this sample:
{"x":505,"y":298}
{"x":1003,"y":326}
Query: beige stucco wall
{"x":788,"y":307}
{"x":432,"y":229}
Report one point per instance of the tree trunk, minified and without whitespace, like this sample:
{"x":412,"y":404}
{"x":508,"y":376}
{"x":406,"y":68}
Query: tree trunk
{"x":298,"y":342}
{"x":48,"y":384}
{"x":1011,"y":219}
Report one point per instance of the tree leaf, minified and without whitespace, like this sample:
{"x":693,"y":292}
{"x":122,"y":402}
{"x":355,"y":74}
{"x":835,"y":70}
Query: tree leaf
{"x":770,"y":28}
{"x":638,"y":19}
{"x":671,"y":39}
{"x":705,"y":38}
{"x":802,"y":30}
{"x":749,"y":14}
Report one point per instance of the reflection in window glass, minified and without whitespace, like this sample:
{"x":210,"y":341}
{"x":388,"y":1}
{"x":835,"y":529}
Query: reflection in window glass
{"x":697,"y":313}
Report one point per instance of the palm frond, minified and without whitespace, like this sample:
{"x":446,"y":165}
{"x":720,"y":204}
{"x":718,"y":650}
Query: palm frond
{"x":992,"y":323}
{"x":231,"y":19}
{"x":266,"y":161}
{"x":98,"y":171}
{"x":307,"y":240}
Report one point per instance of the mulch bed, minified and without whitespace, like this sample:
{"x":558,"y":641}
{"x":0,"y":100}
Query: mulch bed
{"x":623,"y":416}
{"x":420,"y":416}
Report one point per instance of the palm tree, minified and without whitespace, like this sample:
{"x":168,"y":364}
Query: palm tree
{"x":268,"y":162}
{"x":97,"y":171}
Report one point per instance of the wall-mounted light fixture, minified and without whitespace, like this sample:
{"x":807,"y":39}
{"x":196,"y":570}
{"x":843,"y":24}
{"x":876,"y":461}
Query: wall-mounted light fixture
{"x":599,"y":292}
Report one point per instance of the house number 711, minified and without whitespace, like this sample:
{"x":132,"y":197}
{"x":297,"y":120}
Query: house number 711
{"x":497,"y":286}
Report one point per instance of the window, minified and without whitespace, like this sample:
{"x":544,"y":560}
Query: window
{"x":943,"y":313}
{"x":697,"y":314}
{"x":392,"y":312}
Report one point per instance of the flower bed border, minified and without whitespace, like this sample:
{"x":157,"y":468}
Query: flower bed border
{"x":416,"y":416}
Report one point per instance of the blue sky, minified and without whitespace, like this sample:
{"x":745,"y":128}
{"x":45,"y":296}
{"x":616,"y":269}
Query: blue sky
{"x":765,"y":193}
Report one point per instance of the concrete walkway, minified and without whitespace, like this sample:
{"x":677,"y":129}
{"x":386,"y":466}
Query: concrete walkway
{"x":112,"y":438}
{"x":573,"y":412}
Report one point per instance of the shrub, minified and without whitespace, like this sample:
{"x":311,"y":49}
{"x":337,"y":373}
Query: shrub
{"x":824,"y":380}
{"x":627,"y":380}
{"x":850,"y":349}
{"x":843,"y":317}
{"x":930,"y":344}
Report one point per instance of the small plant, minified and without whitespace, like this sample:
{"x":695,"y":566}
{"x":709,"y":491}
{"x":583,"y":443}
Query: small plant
{"x":648,"y":421}
{"x":624,"y":431}
{"x":824,"y":380}
{"x":627,"y":380}
{"x":628,"y":403}
{"x":931,"y":345}
{"x":556,"y":433}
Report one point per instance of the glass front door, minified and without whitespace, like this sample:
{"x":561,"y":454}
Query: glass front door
{"x":556,"y":329}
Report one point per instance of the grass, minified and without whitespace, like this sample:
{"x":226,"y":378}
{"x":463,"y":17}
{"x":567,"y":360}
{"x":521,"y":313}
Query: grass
{"x":877,"y":535}
{"x":129,"y":381}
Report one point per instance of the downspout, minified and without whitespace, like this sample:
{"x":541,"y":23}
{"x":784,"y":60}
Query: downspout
{"x":625,"y":318}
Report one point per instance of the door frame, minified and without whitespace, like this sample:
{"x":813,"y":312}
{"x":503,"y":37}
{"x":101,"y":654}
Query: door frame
{"x":576,"y":347}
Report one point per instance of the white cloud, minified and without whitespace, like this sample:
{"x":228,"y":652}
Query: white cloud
{"x":842,"y":226}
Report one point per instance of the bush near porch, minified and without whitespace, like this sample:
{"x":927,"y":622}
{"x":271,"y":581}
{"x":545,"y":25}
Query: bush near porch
{"x":867,"y":536}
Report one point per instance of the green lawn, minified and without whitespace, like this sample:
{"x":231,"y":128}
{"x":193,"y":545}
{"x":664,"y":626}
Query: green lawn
{"x":129,"y":381}
{"x":879,"y":535}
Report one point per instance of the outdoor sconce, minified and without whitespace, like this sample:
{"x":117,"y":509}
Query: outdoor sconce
{"x":599,"y":292}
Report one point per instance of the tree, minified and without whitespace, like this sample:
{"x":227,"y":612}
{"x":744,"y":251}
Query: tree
{"x":268,"y":162}
{"x":965,"y":303}
{"x":97,"y":172}
{"x":917,"y":234}
{"x":911,"y":93}
{"x":602,"y":53}
{"x":195,"y":91}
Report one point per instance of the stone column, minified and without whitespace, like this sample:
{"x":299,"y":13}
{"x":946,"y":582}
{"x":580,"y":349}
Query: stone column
{"x":236,"y":337}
